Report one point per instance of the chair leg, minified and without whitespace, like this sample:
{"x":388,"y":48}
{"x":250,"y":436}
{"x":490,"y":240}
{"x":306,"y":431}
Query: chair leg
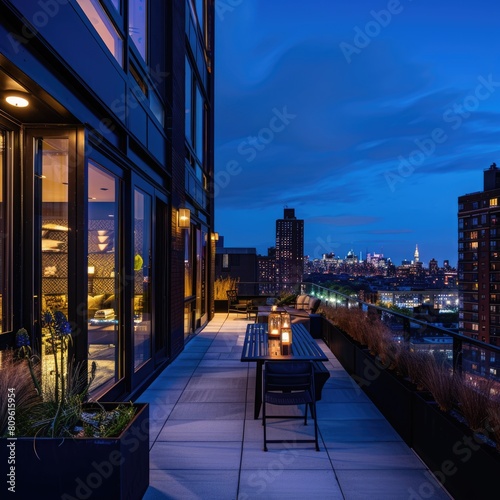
{"x":264,"y":423}
{"x":314,"y":414}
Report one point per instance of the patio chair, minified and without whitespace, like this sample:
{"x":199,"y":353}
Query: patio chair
{"x":289,"y":383}
{"x":236,"y":305}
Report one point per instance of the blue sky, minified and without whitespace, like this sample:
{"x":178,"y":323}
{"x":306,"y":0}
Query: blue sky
{"x":369,"y":118}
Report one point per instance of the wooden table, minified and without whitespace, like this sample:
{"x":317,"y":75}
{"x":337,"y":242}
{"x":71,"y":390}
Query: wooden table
{"x":257,"y":348}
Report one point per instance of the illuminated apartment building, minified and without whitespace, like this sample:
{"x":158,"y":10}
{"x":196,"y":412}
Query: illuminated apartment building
{"x":289,"y":250}
{"x":106,"y":157}
{"x":479,"y":260}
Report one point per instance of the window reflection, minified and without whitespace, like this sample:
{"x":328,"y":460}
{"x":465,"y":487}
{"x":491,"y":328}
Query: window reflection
{"x":137,"y":22}
{"x":103,"y":278}
{"x":4,"y":236}
{"x":104,"y":27}
{"x":142,"y":278}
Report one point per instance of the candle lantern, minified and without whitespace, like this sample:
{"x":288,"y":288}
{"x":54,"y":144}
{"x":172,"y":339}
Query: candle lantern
{"x":286,"y":341}
{"x":274,"y":324}
{"x":286,"y":321}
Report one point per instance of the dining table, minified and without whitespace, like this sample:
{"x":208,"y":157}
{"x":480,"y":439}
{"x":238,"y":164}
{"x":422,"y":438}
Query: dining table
{"x":259,"y":347}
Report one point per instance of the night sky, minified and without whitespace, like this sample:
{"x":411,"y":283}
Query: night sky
{"x":369,"y":118}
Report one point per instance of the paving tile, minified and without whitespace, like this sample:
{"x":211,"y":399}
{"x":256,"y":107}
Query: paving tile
{"x":388,"y":485}
{"x":202,"y":430}
{"x":347,"y":431}
{"x":213,"y":396}
{"x":373,"y":455}
{"x":224,"y":411}
{"x":195,"y":455}
{"x":186,"y":485}
{"x":279,"y":483}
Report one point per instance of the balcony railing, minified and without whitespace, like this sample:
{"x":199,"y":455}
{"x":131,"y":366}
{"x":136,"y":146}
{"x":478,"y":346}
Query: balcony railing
{"x":475,"y":360}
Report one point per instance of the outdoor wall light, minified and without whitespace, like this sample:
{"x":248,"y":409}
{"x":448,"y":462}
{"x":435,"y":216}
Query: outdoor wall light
{"x":184,"y":218}
{"x":215,"y":236}
{"x":91,"y":270}
{"x":17,"y":100}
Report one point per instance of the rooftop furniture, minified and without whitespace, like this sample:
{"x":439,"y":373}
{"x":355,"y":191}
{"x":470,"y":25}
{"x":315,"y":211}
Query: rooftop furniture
{"x":258,"y":348}
{"x":289,"y":384}
{"x":304,"y":305}
{"x":235,"y":304}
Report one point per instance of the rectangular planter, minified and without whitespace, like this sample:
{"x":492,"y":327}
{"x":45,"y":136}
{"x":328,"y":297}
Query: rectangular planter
{"x":466,"y":467}
{"x":220,"y":306}
{"x":392,"y":395}
{"x":72,"y":468}
{"x":341,"y":345}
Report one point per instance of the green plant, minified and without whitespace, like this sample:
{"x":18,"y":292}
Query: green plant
{"x":222,"y":285}
{"x":104,"y":423}
{"x":56,"y":406}
{"x":286,"y":298}
{"x":474,"y":402}
{"x":16,"y":387}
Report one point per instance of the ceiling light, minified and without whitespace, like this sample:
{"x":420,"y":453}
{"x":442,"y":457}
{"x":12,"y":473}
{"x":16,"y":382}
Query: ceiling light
{"x":17,"y":101}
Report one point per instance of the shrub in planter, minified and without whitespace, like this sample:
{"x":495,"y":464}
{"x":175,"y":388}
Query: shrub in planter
{"x":55,"y":442}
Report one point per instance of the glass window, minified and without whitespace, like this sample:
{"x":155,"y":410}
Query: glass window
{"x":104,"y":27}
{"x":52,"y":230}
{"x":142,"y":278}
{"x":4,"y":237}
{"x":104,"y":284}
{"x":117,"y":4}
{"x":199,"y":124}
{"x":137,"y":23}
{"x":188,"y":102}
{"x":188,"y":263}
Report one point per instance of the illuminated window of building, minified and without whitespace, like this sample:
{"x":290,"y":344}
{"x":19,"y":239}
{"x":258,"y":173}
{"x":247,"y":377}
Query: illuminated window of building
{"x":474,"y":245}
{"x":104,"y":27}
{"x":475,"y":327}
{"x":493,"y":202}
{"x":473,"y":235}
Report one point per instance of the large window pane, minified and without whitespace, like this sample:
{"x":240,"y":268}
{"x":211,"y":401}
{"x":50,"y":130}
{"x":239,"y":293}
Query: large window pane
{"x":137,"y":23}
{"x":4,"y":236}
{"x":51,"y":202}
{"x":200,"y":124}
{"x":189,"y":103}
{"x":104,"y":27}
{"x":103,"y":277}
{"x":142,"y":277}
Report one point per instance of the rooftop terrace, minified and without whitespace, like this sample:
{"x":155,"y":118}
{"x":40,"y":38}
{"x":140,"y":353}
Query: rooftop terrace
{"x":205,"y":443}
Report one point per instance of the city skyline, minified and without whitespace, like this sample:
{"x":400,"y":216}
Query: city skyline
{"x":369,"y":119}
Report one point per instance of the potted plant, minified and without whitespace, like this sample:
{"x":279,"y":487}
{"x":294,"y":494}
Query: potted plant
{"x":57,"y":442}
{"x":221,"y":286}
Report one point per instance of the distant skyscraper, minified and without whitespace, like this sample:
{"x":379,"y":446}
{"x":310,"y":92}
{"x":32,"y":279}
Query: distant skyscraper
{"x":416,"y":255}
{"x":479,"y":260}
{"x":289,"y":250}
